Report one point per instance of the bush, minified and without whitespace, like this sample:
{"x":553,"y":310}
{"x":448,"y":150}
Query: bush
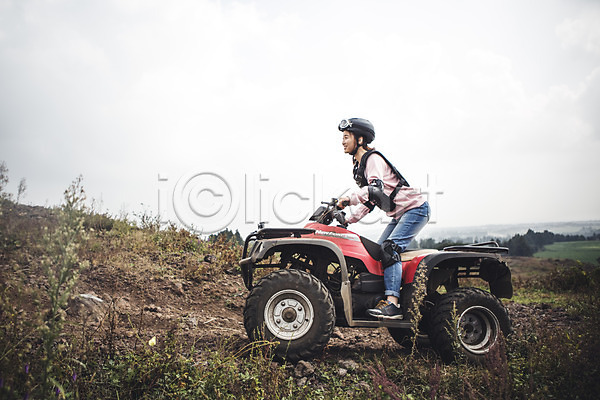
{"x":576,"y":280}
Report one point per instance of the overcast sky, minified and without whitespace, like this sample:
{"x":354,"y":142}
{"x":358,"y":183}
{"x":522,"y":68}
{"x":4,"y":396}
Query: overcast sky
{"x":235,"y":105}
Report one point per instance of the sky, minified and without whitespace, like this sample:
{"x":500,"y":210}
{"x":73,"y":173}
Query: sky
{"x":216,"y":114}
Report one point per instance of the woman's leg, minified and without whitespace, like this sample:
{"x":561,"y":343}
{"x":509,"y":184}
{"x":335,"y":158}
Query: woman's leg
{"x":395,"y":239}
{"x":387,"y":231}
{"x":407,"y":227}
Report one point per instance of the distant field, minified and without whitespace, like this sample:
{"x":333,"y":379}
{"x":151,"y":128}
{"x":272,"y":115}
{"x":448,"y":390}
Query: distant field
{"x":584,"y":251}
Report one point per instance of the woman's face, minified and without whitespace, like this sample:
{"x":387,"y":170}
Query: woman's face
{"x":349,"y":142}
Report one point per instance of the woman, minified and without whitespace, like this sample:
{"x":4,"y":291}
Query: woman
{"x":383,"y":186}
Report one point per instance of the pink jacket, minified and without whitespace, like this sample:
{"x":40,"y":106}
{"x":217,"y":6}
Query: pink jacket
{"x":406,"y":199}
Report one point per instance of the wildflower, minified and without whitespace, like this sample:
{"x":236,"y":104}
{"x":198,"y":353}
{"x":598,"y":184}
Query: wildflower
{"x":152,"y":342}
{"x":74,"y":377}
{"x":26,"y":368}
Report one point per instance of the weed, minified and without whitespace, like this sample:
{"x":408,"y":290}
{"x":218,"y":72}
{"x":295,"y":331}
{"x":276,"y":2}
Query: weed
{"x":383,"y":383}
{"x":420,"y":285}
{"x":541,"y":359}
{"x":3,"y":180}
{"x":62,"y":267}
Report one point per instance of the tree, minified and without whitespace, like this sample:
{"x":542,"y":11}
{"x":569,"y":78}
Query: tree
{"x":518,"y":246}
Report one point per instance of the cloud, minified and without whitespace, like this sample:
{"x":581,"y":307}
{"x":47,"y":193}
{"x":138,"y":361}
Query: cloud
{"x":589,"y":99}
{"x":582,"y":32}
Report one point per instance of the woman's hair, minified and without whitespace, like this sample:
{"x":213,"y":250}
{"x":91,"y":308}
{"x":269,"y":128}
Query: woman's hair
{"x":364,"y":145}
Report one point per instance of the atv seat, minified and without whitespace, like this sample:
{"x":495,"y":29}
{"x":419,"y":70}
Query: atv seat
{"x":374,"y":250}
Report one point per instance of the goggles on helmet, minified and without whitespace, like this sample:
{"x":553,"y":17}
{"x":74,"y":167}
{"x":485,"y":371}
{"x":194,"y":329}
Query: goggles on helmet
{"x":345,"y":124}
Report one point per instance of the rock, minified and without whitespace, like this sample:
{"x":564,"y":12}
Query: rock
{"x":349,"y":365}
{"x":303,"y":369}
{"x":123,"y":305}
{"x":337,"y":333}
{"x":364,"y":386}
{"x":192,"y":321}
{"x":210,"y":258}
{"x":178,"y":288}
{"x":87,"y":305}
{"x":152,"y":308}
{"x":89,"y":296}
{"x":342,"y":371}
{"x":301,"y":382}
{"x":232,"y":271}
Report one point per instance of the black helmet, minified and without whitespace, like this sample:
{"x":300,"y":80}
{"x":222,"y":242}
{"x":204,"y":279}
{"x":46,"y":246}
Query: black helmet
{"x":359,"y":126}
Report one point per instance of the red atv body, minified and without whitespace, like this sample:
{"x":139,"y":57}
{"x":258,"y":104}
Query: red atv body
{"x":325,"y":276}
{"x":355,"y":246}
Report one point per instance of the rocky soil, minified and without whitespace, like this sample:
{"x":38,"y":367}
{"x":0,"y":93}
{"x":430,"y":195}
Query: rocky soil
{"x":210,"y":312}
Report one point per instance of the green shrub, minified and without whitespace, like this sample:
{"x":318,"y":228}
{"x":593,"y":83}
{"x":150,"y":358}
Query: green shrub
{"x":572,"y":279}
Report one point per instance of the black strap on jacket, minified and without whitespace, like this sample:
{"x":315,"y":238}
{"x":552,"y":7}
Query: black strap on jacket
{"x":361,"y":181}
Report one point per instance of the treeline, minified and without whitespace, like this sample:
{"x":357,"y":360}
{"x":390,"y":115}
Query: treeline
{"x":227,"y":235}
{"x":519,"y":245}
{"x":532,"y":242}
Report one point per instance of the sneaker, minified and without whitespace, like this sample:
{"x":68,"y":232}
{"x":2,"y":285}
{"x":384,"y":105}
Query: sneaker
{"x":385,"y":310}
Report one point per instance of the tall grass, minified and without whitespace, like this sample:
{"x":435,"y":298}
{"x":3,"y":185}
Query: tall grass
{"x":44,"y":354}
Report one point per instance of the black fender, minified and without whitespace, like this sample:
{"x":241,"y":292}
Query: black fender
{"x":445,"y":267}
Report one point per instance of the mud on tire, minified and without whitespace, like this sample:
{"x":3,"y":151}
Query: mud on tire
{"x":293,"y":308}
{"x":480,"y":318}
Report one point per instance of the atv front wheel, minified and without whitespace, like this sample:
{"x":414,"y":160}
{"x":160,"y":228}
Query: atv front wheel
{"x":293,"y":308}
{"x":468,"y":321}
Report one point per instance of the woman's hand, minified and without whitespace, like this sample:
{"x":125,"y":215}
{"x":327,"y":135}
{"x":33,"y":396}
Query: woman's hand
{"x":343,"y":202}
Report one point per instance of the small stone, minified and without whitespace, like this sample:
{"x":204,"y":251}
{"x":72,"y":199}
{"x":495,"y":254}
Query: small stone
{"x":337,"y":333}
{"x":87,"y":306}
{"x":152,"y":308}
{"x":349,"y":364}
{"x":342,"y":372}
{"x":303,"y":368}
{"x":178,"y":288}
{"x":302,"y":381}
{"x":364,"y":386}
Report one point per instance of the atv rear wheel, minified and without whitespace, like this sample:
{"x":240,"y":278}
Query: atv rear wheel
{"x":293,"y":308}
{"x":468,"y":321}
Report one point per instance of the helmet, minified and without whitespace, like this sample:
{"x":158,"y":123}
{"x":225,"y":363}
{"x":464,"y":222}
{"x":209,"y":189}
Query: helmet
{"x":360,"y":127}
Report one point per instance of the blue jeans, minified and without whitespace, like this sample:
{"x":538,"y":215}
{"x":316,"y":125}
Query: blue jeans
{"x":402,"y":231}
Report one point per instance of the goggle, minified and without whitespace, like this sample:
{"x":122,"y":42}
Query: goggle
{"x":345,"y":124}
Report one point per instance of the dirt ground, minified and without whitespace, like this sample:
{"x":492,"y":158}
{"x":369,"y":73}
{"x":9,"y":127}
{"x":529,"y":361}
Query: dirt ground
{"x":136,"y":308}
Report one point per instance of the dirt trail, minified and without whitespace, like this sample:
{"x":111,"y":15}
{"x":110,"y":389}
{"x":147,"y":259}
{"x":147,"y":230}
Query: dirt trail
{"x":210,"y":313}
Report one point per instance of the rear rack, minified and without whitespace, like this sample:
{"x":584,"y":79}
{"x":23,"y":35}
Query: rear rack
{"x":484,"y":247}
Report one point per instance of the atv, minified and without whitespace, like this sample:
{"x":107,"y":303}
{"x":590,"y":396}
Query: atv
{"x":325,"y":276}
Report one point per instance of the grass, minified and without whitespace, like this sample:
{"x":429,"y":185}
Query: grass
{"x":582,"y":251}
{"x":539,"y":360}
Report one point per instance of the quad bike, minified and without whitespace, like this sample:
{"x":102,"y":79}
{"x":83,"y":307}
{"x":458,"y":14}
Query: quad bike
{"x":326,"y":276}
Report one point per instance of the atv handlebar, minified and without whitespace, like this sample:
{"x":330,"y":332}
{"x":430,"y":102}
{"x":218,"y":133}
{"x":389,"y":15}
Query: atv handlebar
{"x":334,"y":203}
{"x":325,"y":215}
